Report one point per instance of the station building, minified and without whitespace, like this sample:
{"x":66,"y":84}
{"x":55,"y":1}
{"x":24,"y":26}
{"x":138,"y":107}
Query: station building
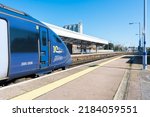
{"x":76,"y":41}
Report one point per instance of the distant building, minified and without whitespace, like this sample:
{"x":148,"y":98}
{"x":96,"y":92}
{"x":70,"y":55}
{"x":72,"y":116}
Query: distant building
{"x":132,"y":49}
{"x":75,"y":27}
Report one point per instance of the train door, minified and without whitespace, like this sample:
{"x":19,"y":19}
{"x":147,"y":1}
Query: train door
{"x":3,"y":49}
{"x":44,"y":61}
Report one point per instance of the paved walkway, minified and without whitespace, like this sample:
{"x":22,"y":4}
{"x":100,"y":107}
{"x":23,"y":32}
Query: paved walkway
{"x":138,"y":87}
{"x":104,"y":79}
{"x":97,"y":80}
{"x":99,"y":84}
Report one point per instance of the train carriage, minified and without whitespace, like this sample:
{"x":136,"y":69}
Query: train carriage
{"x":27,"y":46}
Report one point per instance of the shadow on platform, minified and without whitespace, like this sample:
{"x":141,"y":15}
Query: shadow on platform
{"x":138,"y":60}
{"x":121,"y":68}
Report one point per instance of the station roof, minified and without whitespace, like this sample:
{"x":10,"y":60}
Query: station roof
{"x":75,"y":35}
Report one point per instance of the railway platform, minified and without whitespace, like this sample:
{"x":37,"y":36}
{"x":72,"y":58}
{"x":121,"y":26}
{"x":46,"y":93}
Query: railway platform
{"x":84,"y":58}
{"x":138,"y":87}
{"x":106,"y":79}
{"x":96,"y":80}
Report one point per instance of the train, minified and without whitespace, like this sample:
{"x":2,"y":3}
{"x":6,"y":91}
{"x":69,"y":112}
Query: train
{"x":28,"y":47}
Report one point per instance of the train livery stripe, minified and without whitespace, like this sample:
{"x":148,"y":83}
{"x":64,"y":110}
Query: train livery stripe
{"x":42,"y":90}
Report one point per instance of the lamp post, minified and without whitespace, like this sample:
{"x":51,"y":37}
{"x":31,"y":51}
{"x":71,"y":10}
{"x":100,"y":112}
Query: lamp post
{"x":139,"y":31}
{"x":144,"y":36}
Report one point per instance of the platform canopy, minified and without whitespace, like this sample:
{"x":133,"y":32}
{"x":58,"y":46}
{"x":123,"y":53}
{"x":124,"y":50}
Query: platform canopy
{"x":75,"y":35}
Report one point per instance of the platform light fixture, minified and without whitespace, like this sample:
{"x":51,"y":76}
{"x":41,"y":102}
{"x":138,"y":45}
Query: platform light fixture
{"x":131,"y":23}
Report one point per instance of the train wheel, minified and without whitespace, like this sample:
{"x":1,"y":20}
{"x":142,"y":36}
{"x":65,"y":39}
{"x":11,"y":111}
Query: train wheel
{"x":63,"y":68}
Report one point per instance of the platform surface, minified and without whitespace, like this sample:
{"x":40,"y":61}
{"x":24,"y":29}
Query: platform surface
{"x":96,"y":80}
{"x":139,"y":82}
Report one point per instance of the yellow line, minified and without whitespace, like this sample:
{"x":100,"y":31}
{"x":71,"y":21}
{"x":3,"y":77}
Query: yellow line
{"x":42,"y":90}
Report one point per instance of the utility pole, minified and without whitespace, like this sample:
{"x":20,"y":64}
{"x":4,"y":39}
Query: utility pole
{"x":131,"y":23}
{"x":140,"y":37}
{"x":144,"y":35}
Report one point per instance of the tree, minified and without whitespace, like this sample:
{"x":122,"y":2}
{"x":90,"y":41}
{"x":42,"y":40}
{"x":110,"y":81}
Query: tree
{"x":118,"y":47}
{"x":110,"y":46}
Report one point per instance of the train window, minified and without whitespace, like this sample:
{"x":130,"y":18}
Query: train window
{"x":44,"y":38}
{"x":23,"y":41}
{"x":57,"y":39}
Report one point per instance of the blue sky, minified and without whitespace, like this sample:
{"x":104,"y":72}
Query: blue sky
{"x":107,"y":19}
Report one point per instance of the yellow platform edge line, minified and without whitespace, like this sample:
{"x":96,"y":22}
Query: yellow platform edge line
{"x":49,"y":87}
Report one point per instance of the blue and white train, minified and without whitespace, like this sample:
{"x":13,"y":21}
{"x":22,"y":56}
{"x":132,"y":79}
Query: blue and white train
{"x":27,"y":46}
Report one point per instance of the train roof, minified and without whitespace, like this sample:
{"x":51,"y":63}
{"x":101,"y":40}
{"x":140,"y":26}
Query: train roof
{"x":18,"y":14}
